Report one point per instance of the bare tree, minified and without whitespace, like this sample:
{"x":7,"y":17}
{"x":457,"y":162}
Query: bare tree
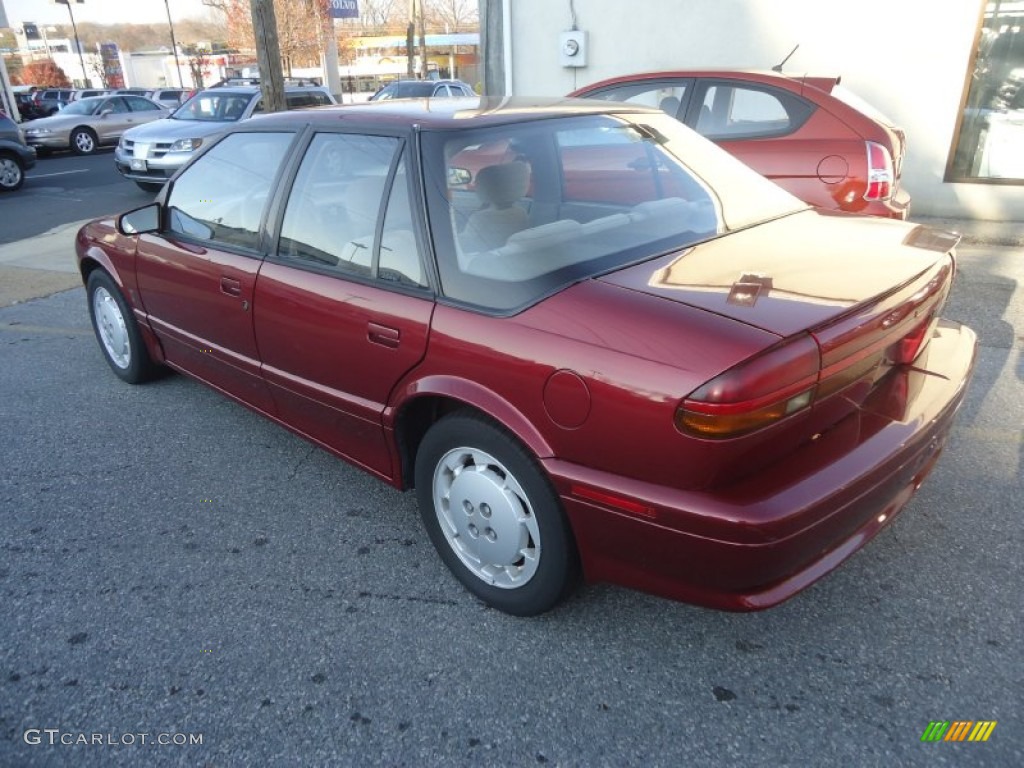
{"x":377,"y":15}
{"x":298,"y":29}
{"x":98,"y":69}
{"x":453,"y":15}
{"x":198,"y":64}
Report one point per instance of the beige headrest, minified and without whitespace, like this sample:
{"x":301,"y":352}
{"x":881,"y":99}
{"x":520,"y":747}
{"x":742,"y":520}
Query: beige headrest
{"x":501,"y":185}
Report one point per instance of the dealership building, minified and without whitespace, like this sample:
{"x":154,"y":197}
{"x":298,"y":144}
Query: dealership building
{"x":950,"y":73}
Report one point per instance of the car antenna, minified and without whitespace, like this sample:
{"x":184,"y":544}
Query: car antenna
{"x":778,"y":67}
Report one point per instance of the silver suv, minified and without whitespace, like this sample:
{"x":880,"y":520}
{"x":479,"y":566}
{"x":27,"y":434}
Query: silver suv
{"x":150,"y":154}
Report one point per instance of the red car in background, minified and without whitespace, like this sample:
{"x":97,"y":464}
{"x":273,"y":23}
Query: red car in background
{"x":809,"y":135}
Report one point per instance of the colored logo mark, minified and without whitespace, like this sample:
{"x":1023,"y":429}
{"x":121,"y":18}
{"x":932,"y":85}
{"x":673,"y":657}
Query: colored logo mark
{"x":958,"y":730}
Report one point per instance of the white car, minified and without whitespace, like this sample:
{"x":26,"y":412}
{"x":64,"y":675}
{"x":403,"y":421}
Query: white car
{"x":151,"y":154}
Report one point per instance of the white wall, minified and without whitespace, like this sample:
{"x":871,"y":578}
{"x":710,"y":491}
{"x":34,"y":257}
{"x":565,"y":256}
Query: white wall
{"x":907,"y":57}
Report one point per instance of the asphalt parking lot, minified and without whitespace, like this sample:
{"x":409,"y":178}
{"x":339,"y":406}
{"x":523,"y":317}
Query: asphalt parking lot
{"x":176,"y":569}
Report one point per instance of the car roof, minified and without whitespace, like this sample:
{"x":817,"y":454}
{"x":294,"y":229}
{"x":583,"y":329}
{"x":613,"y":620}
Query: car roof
{"x":249,"y":90}
{"x":766,"y":76}
{"x":428,"y":82}
{"x":447,"y":113}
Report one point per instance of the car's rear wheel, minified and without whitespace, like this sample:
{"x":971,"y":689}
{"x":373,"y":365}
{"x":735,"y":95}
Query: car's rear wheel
{"x":149,"y":186}
{"x":83,"y":141}
{"x":12,"y":175}
{"x":493,"y":516}
{"x":116,"y":330}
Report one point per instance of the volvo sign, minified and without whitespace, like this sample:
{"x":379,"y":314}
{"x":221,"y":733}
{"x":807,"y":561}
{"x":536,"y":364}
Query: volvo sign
{"x":344,"y":9}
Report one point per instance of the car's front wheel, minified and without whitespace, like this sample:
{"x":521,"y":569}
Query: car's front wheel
{"x":12,"y":175}
{"x":116,"y":330}
{"x":493,"y":516}
{"x":83,"y":141}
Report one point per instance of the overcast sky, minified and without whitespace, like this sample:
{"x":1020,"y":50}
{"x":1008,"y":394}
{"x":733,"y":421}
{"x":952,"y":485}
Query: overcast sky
{"x":102,"y":11}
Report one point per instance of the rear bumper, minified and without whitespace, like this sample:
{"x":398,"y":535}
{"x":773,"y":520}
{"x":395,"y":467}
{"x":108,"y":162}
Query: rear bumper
{"x":760,"y":541}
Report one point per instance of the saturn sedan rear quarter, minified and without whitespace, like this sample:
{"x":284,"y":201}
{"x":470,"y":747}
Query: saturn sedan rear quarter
{"x":591,"y":341}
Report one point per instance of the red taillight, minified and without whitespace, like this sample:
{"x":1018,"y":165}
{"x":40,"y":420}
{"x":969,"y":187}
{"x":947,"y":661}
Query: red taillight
{"x":754,"y":394}
{"x":880,"y":173}
{"x":908,"y":348}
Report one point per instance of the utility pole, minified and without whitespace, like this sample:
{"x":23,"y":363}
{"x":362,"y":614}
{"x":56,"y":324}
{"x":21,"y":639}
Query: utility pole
{"x":423,"y":42}
{"x":492,"y":46}
{"x":174,"y":45}
{"x":410,"y":38}
{"x":329,"y":58}
{"x":78,"y":45}
{"x":268,"y":55}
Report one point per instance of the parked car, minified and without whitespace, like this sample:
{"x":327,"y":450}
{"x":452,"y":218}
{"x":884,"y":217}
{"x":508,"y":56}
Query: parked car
{"x":27,"y":107}
{"x":151,"y":154}
{"x":423,"y":89}
{"x":172,"y":98}
{"x":88,"y":93}
{"x":16,"y":156}
{"x":809,"y":135}
{"x":86,"y":124}
{"x":49,"y":101}
{"x":666,"y":370}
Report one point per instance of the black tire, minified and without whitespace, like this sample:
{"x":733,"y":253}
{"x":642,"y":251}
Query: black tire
{"x":118,"y":334}
{"x":526,"y":516}
{"x":12,"y":174}
{"x":83,"y":141}
{"x":149,"y":186}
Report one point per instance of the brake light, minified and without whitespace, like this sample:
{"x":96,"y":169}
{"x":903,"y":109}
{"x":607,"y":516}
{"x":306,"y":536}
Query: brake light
{"x":911,"y":345}
{"x":880,"y":172}
{"x":753,"y":394}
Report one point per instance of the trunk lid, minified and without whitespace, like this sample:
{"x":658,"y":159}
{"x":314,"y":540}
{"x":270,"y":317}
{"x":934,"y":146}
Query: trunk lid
{"x":795,"y":274}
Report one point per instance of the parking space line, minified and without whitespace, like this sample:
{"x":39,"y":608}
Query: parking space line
{"x":44,"y":329}
{"x":58,"y":173}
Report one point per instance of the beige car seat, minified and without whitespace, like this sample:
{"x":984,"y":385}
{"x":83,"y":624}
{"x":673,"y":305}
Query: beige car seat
{"x":499,"y":188}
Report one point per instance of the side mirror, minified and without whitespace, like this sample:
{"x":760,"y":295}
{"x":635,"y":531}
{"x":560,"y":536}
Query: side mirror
{"x":458,"y":177}
{"x":105,"y":112}
{"x":140,"y":221}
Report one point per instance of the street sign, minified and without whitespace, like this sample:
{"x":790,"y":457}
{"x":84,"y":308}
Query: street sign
{"x":344,"y":9}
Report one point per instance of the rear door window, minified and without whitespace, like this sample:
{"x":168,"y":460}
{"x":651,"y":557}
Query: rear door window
{"x":139,"y":104}
{"x":744,"y":111}
{"x":332,"y":222}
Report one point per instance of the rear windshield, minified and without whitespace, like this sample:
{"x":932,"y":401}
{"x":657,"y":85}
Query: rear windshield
{"x":413,"y":90}
{"x":521,"y":211}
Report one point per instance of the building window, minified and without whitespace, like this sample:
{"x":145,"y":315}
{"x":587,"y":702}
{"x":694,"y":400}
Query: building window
{"x":990,"y":134}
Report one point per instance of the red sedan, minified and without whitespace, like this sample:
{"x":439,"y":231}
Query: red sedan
{"x":809,"y":135}
{"x":591,"y":341}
